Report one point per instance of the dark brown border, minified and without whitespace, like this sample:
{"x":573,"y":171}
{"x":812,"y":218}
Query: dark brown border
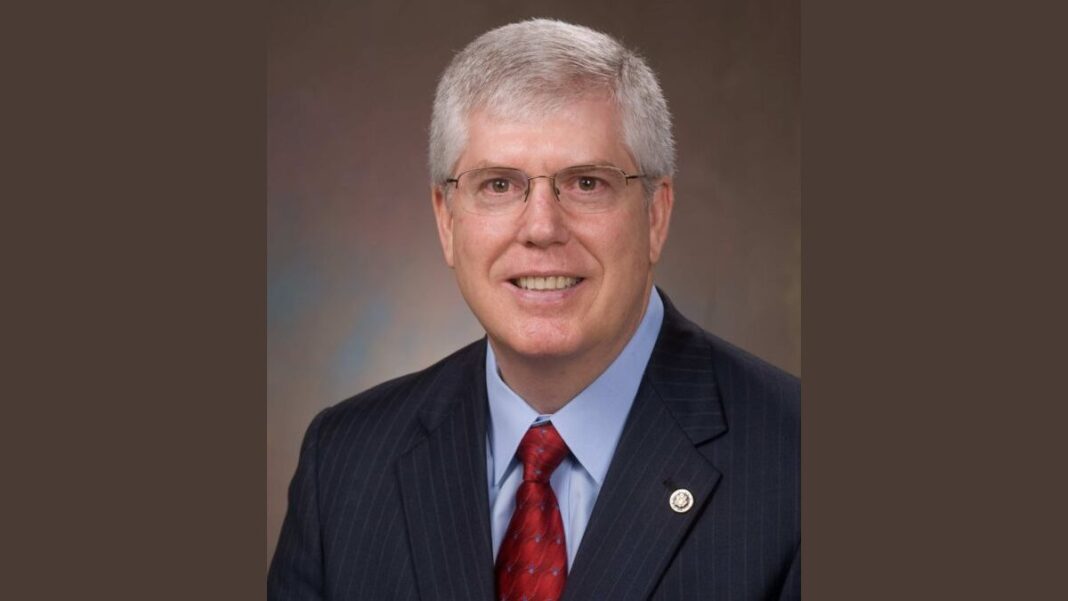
{"x":929,"y":457}
{"x":136,"y":277}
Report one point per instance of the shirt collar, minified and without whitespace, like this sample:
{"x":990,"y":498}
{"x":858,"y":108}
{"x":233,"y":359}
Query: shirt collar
{"x":592,"y":422}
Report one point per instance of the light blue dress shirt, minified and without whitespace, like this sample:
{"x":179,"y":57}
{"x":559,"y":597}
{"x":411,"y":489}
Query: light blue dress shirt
{"x":590,"y":424}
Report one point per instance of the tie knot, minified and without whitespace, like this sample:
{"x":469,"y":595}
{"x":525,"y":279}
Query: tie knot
{"x":541,"y":451}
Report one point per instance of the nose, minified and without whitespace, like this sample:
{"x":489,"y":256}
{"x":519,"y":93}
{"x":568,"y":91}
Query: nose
{"x":542,"y":222}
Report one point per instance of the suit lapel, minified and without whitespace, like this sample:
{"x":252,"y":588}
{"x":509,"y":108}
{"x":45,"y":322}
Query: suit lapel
{"x":633,"y":532}
{"x":443,"y":484}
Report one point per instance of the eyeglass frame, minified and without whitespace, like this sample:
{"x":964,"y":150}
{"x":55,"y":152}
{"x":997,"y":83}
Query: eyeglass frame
{"x":552,"y":178}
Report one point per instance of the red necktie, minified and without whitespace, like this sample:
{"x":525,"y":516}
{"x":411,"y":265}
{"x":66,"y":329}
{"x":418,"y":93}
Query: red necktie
{"x":532,"y":561}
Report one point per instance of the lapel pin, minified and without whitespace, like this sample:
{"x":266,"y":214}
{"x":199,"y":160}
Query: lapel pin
{"x":681,"y":500}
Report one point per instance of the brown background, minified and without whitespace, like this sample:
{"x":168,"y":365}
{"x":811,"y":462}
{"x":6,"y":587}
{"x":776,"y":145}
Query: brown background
{"x":357,"y":290}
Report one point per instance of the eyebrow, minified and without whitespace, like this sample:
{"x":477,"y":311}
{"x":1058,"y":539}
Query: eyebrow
{"x":492,"y":165}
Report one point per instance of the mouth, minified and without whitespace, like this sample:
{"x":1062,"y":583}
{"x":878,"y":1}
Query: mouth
{"x":546,"y":283}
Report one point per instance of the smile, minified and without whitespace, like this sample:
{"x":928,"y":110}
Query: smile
{"x":558,"y":282}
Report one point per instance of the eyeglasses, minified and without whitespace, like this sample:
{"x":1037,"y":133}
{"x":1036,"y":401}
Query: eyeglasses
{"x":503,"y":190}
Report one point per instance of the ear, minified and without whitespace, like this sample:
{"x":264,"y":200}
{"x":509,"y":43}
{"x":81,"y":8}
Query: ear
{"x":443,"y":215}
{"x":660,"y":218}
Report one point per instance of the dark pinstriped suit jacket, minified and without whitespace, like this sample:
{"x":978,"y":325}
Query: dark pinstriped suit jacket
{"x":389,"y":499}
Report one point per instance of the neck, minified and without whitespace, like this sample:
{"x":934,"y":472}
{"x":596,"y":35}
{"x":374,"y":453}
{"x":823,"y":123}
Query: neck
{"x":547,"y":384}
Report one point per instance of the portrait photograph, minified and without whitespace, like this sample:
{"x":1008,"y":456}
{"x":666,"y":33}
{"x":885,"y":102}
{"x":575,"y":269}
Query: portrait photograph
{"x":533,"y":300}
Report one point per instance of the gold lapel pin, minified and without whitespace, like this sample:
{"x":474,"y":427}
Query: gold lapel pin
{"x":681,"y":500}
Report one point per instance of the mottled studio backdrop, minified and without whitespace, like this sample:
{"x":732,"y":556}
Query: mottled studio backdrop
{"x":357,"y":290}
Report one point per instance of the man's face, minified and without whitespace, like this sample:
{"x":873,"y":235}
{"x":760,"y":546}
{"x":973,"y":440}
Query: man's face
{"x":611,"y":254}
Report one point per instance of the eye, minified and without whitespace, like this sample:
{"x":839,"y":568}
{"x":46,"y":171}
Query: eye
{"x":588,"y":183}
{"x":499,"y":185}
{"x":496,"y":186}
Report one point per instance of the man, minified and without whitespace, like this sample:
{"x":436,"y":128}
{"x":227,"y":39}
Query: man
{"x":596,"y":444}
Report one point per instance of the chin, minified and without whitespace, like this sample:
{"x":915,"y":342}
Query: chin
{"x":539,"y":344}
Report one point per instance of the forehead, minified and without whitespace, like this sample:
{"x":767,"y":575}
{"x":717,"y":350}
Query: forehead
{"x":586,"y":131}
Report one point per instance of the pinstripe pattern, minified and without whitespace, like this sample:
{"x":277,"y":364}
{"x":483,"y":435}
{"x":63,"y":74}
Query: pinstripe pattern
{"x":389,"y":499}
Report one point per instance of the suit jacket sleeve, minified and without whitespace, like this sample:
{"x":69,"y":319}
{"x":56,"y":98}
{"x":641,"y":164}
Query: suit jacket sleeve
{"x":296,"y":571}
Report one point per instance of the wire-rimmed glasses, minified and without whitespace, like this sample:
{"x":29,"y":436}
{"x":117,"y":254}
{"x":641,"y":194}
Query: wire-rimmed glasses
{"x":504,"y":190}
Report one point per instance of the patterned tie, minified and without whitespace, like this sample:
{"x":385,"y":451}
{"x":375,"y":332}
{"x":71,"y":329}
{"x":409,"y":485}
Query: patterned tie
{"x":532,"y":561}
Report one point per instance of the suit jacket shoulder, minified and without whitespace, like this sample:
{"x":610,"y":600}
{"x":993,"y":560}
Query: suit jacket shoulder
{"x":747,"y":378}
{"x":402,"y":400}
{"x":687,"y":359}
{"x":345,"y":501}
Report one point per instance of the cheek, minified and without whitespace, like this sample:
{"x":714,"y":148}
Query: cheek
{"x":622,"y":243}
{"x":476,"y":245}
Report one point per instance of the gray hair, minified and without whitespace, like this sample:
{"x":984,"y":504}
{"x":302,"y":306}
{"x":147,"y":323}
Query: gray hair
{"x":534,"y":67}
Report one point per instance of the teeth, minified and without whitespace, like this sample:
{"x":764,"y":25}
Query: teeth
{"x":558,"y":282}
